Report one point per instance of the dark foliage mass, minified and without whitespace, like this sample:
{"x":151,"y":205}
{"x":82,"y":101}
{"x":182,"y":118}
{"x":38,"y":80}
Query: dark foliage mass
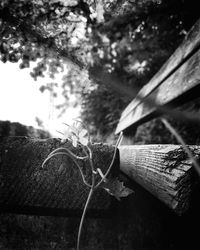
{"x":154,"y":132}
{"x":8,"y":128}
{"x":120,"y":44}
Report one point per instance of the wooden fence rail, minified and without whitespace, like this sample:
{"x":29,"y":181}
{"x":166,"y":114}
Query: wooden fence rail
{"x":177,"y":82}
{"x":55,"y":190}
{"x":164,"y":170}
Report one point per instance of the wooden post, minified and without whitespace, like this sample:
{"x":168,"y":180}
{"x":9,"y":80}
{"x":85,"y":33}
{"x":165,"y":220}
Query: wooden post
{"x":55,"y":190}
{"x":163,"y":170}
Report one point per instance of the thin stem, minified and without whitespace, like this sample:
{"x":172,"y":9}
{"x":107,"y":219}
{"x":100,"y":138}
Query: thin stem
{"x":70,"y":152}
{"x":84,"y":150}
{"x":71,"y":157}
{"x":59,"y":132}
{"x":181,"y":141}
{"x":113,"y":158}
{"x":88,"y":199}
{"x":83,"y":217}
{"x":91,"y":165}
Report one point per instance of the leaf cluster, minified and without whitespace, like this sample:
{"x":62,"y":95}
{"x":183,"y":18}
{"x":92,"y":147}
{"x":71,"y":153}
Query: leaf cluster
{"x":127,"y":38}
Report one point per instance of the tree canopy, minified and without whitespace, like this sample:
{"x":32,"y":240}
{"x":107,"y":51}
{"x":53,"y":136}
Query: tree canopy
{"x":102,"y":47}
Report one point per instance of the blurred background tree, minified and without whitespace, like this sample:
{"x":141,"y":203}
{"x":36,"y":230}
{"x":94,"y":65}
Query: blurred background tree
{"x":105,"y":49}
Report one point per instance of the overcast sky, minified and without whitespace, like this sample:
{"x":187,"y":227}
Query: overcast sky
{"x":21,"y":100}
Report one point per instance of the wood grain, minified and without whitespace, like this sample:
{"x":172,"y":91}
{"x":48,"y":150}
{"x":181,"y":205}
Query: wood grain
{"x":57,"y":189}
{"x":177,"y":82}
{"x":163,"y":170}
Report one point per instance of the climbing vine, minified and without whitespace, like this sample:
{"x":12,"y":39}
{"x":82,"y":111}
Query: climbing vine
{"x":79,"y":135}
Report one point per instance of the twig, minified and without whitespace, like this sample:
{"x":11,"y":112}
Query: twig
{"x":113,"y":158}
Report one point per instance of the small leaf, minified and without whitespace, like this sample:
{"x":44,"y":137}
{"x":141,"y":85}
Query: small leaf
{"x":83,"y":133}
{"x":116,"y":188}
{"x":66,"y":134}
{"x":84,"y":141}
{"x":74,"y":141}
{"x":76,"y":134}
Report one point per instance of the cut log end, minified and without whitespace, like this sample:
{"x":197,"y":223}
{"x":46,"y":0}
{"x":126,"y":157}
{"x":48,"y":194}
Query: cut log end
{"x":163,"y":170}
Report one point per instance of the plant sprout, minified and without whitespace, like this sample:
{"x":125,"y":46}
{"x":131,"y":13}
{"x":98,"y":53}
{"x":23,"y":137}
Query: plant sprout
{"x":79,"y":135}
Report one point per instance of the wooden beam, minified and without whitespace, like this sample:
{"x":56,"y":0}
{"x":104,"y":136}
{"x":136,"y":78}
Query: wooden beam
{"x":189,"y":46}
{"x":55,"y":190}
{"x":175,"y":83}
{"x":163,"y":170}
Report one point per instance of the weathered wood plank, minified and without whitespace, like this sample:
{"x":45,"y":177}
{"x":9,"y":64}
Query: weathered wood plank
{"x":182,"y":86}
{"x":58,"y":188}
{"x":163,"y":170}
{"x":178,"y":76}
{"x":188,"y":47}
